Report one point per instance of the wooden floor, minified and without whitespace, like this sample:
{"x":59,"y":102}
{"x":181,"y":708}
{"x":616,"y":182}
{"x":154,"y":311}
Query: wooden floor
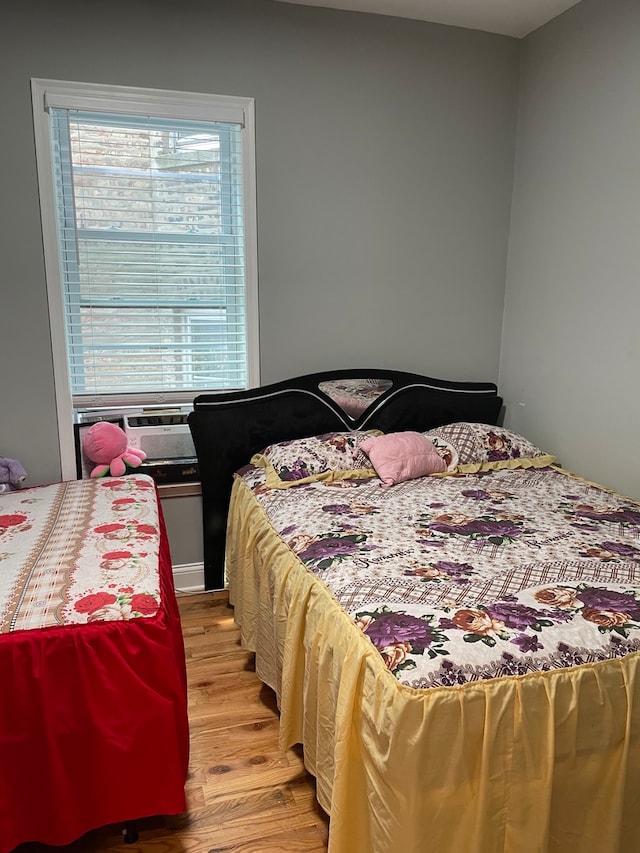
{"x":243,"y":794}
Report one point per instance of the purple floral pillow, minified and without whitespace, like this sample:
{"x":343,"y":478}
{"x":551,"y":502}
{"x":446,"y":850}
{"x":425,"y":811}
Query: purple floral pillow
{"x":316,"y":456}
{"x":485,"y":446}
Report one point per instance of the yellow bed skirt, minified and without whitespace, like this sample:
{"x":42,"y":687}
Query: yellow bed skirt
{"x":547,"y":762}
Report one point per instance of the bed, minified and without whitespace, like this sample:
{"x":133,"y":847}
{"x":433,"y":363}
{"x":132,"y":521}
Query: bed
{"x":455,"y":644}
{"x":93,"y":714}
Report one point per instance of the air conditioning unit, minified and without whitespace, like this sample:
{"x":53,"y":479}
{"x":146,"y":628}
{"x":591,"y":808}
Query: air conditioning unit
{"x":164,"y":436}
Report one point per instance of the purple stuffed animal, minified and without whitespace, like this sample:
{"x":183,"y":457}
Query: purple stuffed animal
{"x":12,"y":475}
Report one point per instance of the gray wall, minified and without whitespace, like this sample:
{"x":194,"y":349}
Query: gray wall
{"x":571,"y":343}
{"x":384,"y":161}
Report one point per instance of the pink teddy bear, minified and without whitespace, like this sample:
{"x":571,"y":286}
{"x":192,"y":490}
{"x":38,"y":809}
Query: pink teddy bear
{"x":106,"y":444}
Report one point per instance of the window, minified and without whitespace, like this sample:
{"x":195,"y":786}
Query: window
{"x":148,"y":211}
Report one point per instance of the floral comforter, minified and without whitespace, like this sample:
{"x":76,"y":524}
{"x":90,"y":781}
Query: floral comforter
{"x":79,"y":551}
{"x":461,"y":578}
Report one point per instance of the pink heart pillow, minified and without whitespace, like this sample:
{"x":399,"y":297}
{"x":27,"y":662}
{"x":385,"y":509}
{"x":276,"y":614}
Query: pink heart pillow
{"x":400,"y":456}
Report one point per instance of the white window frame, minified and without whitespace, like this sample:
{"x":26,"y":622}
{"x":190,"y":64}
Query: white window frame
{"x":133,"y":101}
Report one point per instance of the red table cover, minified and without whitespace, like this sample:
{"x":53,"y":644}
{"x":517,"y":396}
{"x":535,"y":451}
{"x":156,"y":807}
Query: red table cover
{"x":93,"y":723}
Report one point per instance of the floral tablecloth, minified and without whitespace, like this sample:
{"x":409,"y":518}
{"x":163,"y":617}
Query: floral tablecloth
{"x":93,"y":714}
{"x":79,"y":551}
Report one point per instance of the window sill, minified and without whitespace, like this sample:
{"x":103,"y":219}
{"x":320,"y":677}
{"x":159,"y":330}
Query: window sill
{"x":179,"y":490}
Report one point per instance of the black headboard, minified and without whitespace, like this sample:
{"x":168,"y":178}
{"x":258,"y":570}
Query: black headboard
{"x":229,"y":428}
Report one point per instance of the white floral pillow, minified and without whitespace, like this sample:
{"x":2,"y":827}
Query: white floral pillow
{"x":314,"y":457}
{"x":465,"y":446}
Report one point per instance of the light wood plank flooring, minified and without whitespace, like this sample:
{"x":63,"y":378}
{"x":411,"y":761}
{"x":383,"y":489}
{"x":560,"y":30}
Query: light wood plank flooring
{"x":243,"y":794}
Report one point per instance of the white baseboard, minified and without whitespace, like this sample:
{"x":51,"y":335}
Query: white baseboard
{"x":189,"y":577}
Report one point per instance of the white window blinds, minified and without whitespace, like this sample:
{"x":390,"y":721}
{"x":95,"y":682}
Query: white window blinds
{"x":151,"y":230}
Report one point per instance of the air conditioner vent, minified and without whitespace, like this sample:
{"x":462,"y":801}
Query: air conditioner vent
{"x":156,"y":420}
